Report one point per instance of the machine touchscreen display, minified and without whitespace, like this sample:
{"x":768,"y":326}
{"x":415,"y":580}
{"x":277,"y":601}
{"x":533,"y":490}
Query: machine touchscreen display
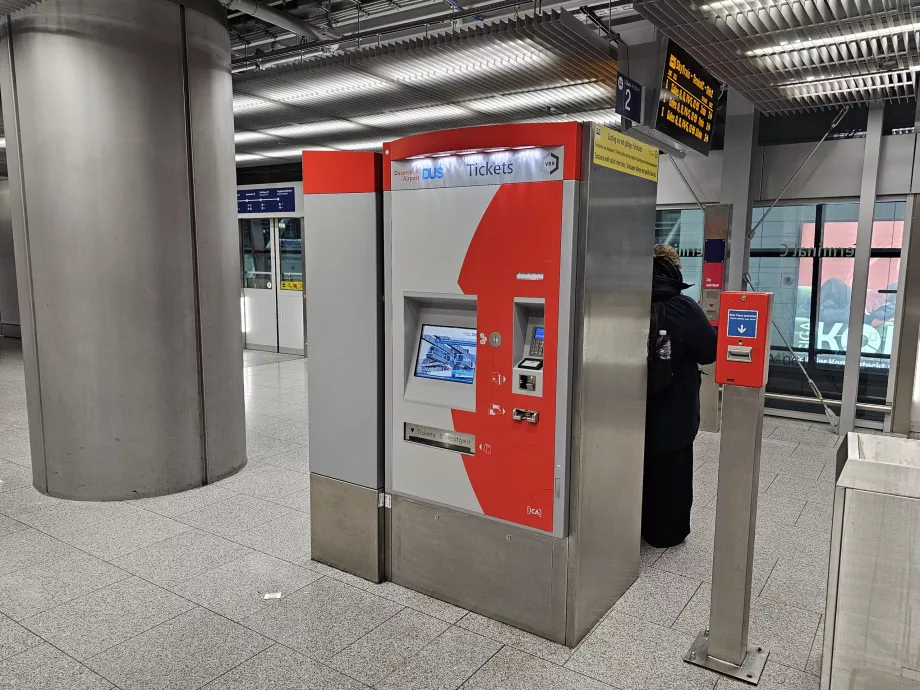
{"x":447,"y":353}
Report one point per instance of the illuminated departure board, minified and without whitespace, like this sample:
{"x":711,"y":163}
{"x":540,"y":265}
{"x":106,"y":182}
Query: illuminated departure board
{"x":687,"y":105}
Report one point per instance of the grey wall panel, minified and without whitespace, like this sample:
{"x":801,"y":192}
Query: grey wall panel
{"x":834,"y":171}
{"x":9,"y":294}
{"x":703,"y":173}
{"x":343,"y":319}
{"x":896,"y":162}
{"x":214,"y":176}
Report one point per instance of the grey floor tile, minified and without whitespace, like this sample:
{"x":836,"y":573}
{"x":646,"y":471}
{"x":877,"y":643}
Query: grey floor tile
{"x":182,"y":557}
{"x":418,"y":601}
{"x":125,"y":535}
{"x":786,"y":631}
{"x":778,"y":509}
{"x":296,"y":459}
{"x":807,"y":468}
{"x":284,"y":669}
{"x":46,"y":668}
{"x":15,"y":448}
{"x":237,"y":589}
{"x":267,"y":482}
{"x":299,"y":501}
{"x":9,"y":525}
{"x":340,"y":575}
{"x":818,"y":438}
{"x":233,"y":515}
{"x":97,"y":621}
{"x":185,"y":501}
{"x":797,"y":487}
{"x":67,"y":518}
{"x":261,"y":447}
{"x":798,"y":583}
{"x":775,"y":677}
{"x":387,"y":647}
{"x":323,"y":618}
{"x":25,"y":500}
{"x":182,"y":654}
{"x":648,"y":555}
{"x":15,"y":639}
{"x":817,"y":517}
{"x":28,"y":591}
{"x":705,"y":483}
{"x":632,"y":653}
{"x":815,"y":454}
{"x":287,"y":537}
{"x":512,"y":669}
{"x":771,"y":447}
{"x":295,"y":432}
{"x":27,"y":547}
{"x":14,"y":476}
{"x":817,"y":651}
{"x":508,"y":635}
{"x":445,"y":664}
{"x":657,"y":596}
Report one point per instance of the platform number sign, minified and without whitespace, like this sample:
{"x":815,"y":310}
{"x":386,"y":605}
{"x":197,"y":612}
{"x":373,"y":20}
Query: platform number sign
{"x":742,"y":323}
{"x":629,"y":98}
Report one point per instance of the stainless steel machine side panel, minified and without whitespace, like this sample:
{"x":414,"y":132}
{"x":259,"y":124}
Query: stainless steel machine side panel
{"x":506,"y":572}
{"x":613,"y":297}
{"x":346,"y":527}
{"x":345,"y":322}
{"x":210,"y":116}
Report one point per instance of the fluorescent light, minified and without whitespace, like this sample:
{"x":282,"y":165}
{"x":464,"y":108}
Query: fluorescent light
{"x":815,"y":81}
{"x":817,"y":88}
{"x":483,"y":59}
{"x":327,"y":88}
{"x":290,"y":153}
{"x":312,"y":128}
{"x":413,"y":115}
{"x":360,"y":146}
{"x":562,"y":95}
{"x":243,"y":157}
{"x":244,"y":137}
{"x":2,"y":142}
{"x":241,"y":103}
{"x":832,"y":40}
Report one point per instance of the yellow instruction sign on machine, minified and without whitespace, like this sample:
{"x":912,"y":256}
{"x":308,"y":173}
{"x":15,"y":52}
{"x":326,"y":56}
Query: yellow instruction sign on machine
{"x":619,"y":152}
{"x":292,"y":285}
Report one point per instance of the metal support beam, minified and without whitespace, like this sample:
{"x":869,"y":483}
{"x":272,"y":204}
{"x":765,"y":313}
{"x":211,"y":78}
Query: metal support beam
{"x":903,"y":370}
{"x":738,"y":166}
{"x":282,"y":20}
{"x":861,"y":269}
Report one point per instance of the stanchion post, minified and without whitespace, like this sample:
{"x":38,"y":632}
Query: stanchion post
{"x":741,"y":368}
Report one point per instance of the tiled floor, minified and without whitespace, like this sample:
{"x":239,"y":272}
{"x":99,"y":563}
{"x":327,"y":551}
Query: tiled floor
{"x":169,"y":592}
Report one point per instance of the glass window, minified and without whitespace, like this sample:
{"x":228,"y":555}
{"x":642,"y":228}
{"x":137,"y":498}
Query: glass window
{"x":683,"y":230}
{"x":290,"y":239}
{"x":256,"y":246}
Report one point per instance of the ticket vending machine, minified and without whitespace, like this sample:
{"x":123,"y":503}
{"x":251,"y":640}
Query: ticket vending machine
{"x":272,"y":267}
{"x":518,"y":277}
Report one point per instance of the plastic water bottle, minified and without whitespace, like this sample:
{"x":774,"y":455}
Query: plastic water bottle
{"x":663,"y":345}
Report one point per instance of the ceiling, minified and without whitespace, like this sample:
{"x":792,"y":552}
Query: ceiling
{"x":793,"y":55}
{"x":478,"y":69}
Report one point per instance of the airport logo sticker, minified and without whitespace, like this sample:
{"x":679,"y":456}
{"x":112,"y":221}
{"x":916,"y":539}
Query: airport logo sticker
{"x":742,"y":323}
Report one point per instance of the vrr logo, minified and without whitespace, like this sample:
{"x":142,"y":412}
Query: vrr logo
{"x":550,"y":163}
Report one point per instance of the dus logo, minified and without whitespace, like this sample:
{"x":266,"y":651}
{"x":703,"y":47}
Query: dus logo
{"x":535,"y":511}
{"x":550,"y":163}
{"x":432,"y":173}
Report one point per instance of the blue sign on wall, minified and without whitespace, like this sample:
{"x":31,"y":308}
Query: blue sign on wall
{"x":629,"y":98}
{"x":742,"y":323}
{"x":266,"y":200}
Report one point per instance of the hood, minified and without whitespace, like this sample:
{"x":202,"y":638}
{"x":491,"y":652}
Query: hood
{"x":664,"y":288}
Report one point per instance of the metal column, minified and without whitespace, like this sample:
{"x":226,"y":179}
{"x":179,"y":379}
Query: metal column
{"x":121,"y":180}
{"x":861,"y":269}
{"x":738,"y":189}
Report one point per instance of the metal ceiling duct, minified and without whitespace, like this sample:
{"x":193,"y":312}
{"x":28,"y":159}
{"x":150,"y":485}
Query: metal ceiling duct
{"x":793,"y":55}
{"x":7,"y":6}
{"x":282,"y":20}
{"x":547,"y":66}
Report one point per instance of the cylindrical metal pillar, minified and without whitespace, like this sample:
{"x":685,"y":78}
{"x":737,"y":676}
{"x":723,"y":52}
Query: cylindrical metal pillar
{"x":119,"y":128}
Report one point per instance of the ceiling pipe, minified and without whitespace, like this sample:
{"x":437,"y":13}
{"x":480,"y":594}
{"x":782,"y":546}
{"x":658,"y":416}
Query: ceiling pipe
{"x":282,"y":20}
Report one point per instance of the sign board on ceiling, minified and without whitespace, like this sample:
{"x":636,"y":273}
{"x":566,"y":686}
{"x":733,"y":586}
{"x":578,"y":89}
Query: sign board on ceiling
{"x":266,"y":200}
{"x":687,"y":104}
{"x":629,"y":98}
{"x":620,"y":152}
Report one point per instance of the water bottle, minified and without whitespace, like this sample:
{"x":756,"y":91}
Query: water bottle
{"x":663,"y":345}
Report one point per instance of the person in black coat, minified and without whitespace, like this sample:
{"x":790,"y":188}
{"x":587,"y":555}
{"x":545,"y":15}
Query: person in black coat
{"x":672,"y":416}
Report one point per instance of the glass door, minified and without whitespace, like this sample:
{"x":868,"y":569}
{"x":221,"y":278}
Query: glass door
{"x":290,"y":293}
{"x":260,"y":307}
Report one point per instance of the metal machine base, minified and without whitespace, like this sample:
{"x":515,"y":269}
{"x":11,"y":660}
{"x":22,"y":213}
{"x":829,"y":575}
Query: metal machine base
{"x":748,"y":672}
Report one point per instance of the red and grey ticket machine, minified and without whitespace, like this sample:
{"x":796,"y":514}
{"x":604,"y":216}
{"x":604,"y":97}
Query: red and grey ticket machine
{"x":744,"y":339}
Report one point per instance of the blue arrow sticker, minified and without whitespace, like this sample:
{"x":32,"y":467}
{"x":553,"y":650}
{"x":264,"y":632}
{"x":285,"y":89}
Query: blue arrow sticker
{"x":742,"y":323}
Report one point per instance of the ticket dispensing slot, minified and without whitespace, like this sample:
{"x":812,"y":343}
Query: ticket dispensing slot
{"x":738,"y":353}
